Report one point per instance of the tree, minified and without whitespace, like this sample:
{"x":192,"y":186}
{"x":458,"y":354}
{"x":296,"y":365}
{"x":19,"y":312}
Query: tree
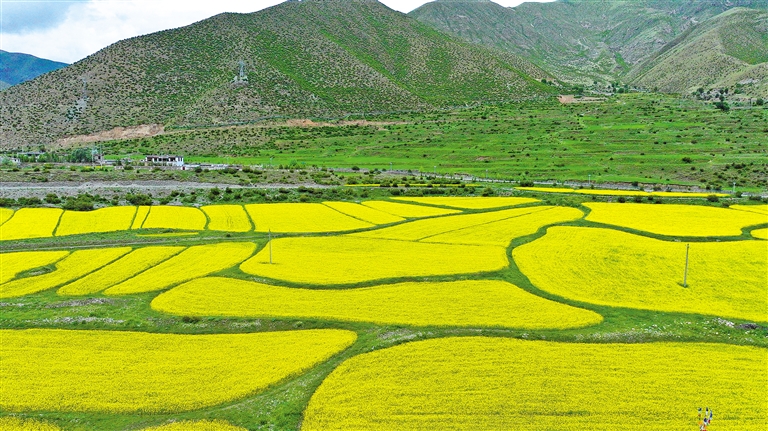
{"x":723,"y":106}
{"x":760,"y":102}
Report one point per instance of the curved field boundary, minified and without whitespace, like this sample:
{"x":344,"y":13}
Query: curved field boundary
{"x":194,"y":262}
{"x":674,"y":220}
{"x":120,"y":270}
{"x":74,"y":266}
{"x":609,"y":267}
{"x":347,"y":260}
{"x":475,"y":203}
{"x":470,"y":303}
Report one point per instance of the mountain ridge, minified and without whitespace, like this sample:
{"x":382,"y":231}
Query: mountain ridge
{"x":17,"y":67}
{"x":308,"y":59}
{"x":577,"y":40}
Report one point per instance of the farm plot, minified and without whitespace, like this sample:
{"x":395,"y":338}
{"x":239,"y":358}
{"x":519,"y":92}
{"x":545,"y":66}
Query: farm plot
{"x":194,"y":262}
{"x":230,"y":218}
{"x":364,"y":213}
{"x":11,"y":264}
{"x":471,"y":303}
{"x":74,"y":266}
{"x":301,"y":217}
{"x":475,"y":203}
{"x":674,"y":220}
{"x":606,"y":192}
{"x":215,"y":425}
{"x":5,"y":214}
{"x":501,"y":232}
{"x":407,"y":210}
{"x":30,"y":223}
{"x":421,"y":229}
{"x":122,"y":269}
{"x":102,"y":220}
{"x":473,"y":383}
{"x":760,"y":209}
{"x":118,"y":371}
{"x":169,"y":217}
{"x":608,"y":267}
{"x":760,"y":233}
{"x":345,"y":259}
{"x":10,"y":423}
{"x":141,"y":214}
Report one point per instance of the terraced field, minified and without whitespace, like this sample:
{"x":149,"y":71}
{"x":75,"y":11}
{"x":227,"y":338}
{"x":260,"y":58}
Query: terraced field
{"x":416,"y":313}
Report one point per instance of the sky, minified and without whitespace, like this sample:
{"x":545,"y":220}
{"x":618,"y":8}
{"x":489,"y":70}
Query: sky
{"x":67,"y":31}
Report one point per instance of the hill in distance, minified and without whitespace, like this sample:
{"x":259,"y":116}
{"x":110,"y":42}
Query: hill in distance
{"x":312,"y":58}
{"x":577,"y":40}
{"x":728,"y":50}
{"x":16,"y":68}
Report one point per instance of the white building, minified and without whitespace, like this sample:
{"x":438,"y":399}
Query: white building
{"x":164,"y":160}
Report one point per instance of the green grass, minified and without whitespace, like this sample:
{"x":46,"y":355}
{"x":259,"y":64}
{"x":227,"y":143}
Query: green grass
{"x":628,"y":138}
{"x":281,"y":406}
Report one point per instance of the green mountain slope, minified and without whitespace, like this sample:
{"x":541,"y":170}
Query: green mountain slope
{"x":578,"y":40}
{"x":309,"y":58}
{"x":728,"y":49}
{"x":16,"y":67}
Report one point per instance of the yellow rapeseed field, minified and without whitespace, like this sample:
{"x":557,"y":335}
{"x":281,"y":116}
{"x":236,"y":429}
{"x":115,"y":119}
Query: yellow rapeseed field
{"x":5,"y":214}
{"x":74,"y":266}
{"x":230,"y":218}
{"x":215,"y":425}
{"x":408,"y":210}
{"x":503,"y":231}
{"x":108,"y":219}
{"x":479,"y":383}
{"x":122,"y":269}
{"x":301,"y":217}
{"x":608,"y":267}
{"x":760,"y":209}
{"x":14,"y":263}
{"x":170,"y":217}
{"x":470,"y":303}
{"x":422,"y":229}
{"x":470,"y":202}
{"x":760,"y":233}
{"x":194,"y":262}
{"x":141,"y":214}
{"x":135,"y":372}
{"x":674,"y":220}
{"x":10,"y":423}
{"x":345,"y":259}
{"x":364,"y":213}
{"x":30,"y":223}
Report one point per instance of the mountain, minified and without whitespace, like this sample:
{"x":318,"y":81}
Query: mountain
{"x":16,"y":68}
{"x":577,"y":40}
{"x":313,"y":58}
{"x":4,"y":85}
{"x":728,"y":50}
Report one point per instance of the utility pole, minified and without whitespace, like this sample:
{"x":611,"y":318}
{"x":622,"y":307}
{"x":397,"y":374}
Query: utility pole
{"x":734,"y":187}
{"x":685,"y":275}
{"x":270,"y":246}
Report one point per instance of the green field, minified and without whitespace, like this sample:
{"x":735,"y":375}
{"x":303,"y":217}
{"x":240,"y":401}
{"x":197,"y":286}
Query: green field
{"x":651,"y":139}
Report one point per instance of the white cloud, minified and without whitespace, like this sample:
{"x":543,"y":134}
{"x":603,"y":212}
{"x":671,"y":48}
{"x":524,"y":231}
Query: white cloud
{"x":88,"y":26}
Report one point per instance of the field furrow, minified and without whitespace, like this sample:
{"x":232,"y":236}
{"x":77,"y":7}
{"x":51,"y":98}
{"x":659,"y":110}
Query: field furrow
{"x":194,"y":262}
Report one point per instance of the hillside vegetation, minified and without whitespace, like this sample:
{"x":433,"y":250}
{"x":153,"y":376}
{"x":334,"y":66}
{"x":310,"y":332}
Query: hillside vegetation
{"x":313,"y":58}
{"x":577,"y":40}
{"x":728,"y":50}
